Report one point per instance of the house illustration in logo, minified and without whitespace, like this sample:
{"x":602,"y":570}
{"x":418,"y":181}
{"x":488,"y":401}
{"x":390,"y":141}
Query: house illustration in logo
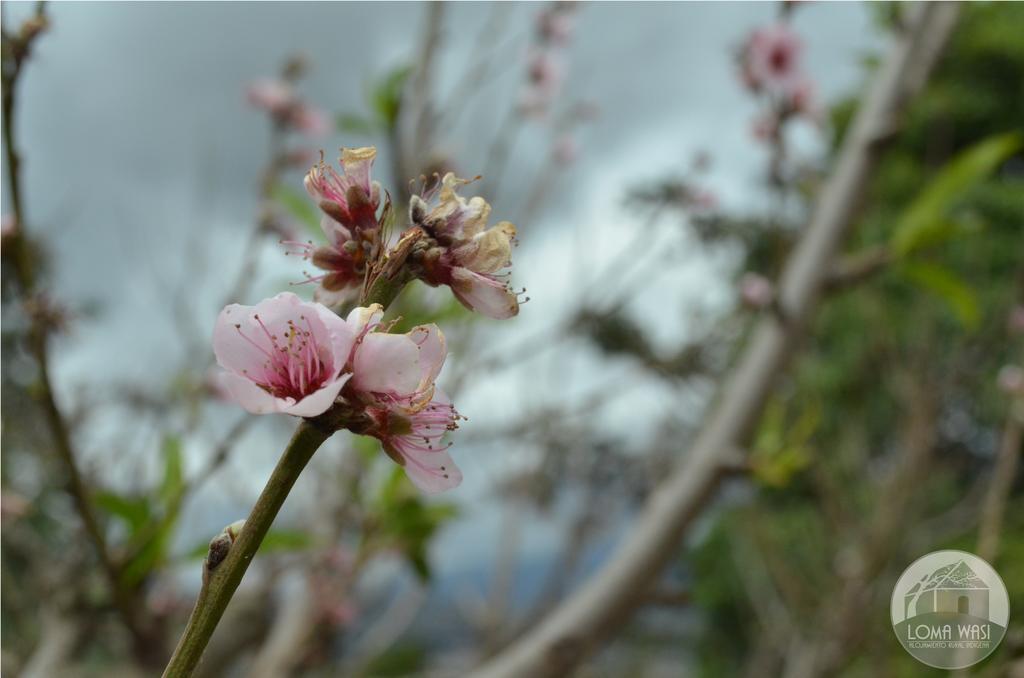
{"x":954,"y":589}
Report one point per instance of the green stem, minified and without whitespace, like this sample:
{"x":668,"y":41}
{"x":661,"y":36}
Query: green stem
{"x":220,"y":581}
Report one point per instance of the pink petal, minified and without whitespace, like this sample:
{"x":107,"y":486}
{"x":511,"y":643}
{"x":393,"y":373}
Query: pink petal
{"x":232,"y":350}
{"x":336,"y":234}
{"x":432,"y":472}
{"x":362,"y":316}
{"x":357,"y":163}
{"x":433,"y":350}
{"x":319,"y":401}
{"x":386,"y":363}
{"x":250,"y":396}
{"x":484,"y":295}
{"x":338,"y":335}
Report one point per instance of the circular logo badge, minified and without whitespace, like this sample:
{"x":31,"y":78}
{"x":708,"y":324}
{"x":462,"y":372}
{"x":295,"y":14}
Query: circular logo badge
{"x":950,"y":609}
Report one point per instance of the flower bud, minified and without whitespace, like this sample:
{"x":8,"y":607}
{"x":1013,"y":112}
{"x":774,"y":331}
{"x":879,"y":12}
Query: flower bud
{"x":1011,"y":380}
{"x":756,"y":291}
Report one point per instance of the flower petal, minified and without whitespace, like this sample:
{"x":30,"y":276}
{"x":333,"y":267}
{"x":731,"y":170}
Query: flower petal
{"x":483,"y":294}
{"x":432,"y":472}
{"x":358,"y":318}
{"x":386,"y":363}
{"x":432,"y":348}
{"x":250,"y":396}
{"x":488,"y":251}
{"x":341,"y":338}
{"x":318,"y":402}
{"x":336,"y":233}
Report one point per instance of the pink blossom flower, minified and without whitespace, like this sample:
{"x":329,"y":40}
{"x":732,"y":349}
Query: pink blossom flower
{"x":799,"y":96}
{"x":393,"y":375}
{"x":280,"y":100}
{"x":311,"y":120}
{"x":282,"y":355}
{"x":469,"y":257}
{"x":546,"y":71}
{"x":1011,"y":380}
{"x":350,"y":202}
{"x":555,"y":24}
{"x":275,"y":97}
{"x":770,"y":58}
{"x":756,"y":291}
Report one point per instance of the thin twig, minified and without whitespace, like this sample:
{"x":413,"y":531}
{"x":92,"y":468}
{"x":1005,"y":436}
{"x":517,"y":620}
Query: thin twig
{"x":16,"y":50}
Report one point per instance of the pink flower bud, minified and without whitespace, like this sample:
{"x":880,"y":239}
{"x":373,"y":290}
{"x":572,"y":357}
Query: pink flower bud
{"x":273,"y":96}
{"x":1011,"y":380}
{"x":555,"y":25}
{"x":756,"y":291}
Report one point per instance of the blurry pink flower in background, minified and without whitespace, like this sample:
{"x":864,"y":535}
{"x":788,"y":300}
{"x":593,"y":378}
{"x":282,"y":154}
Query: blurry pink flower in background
{"x":771,"y":58}
{"x":273,"y":96}
{"x":756,"y":291}
{"x":705,"y":200}
{"x":800,"y":97}
{"x":546,"y":71}
{"x":311,"y":121}
{"x":282,"y":355}
{"x":280,"y":100}
{"x":1011,"y":380}
{"x":555,"y":24}
{"x":393,"y":375}
{"x":565,"y":150}
{"x":12,"y":506}
{"x":470,"y":258}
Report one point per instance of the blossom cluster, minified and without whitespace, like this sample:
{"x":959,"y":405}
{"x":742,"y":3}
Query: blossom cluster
{"x":771,"y":67}
{"x":285,"y":355}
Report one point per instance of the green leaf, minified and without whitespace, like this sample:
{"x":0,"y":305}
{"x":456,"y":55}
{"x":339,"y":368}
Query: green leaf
{"x":925,"y":221}
{"x":134,"y":511}
{"x":354,"y":123}
{"x":386,"y":95}
{"x":174,"y":475}
{"x":150,"y":555}
{"x":946,"y":285}
{"x":299,"y":206}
